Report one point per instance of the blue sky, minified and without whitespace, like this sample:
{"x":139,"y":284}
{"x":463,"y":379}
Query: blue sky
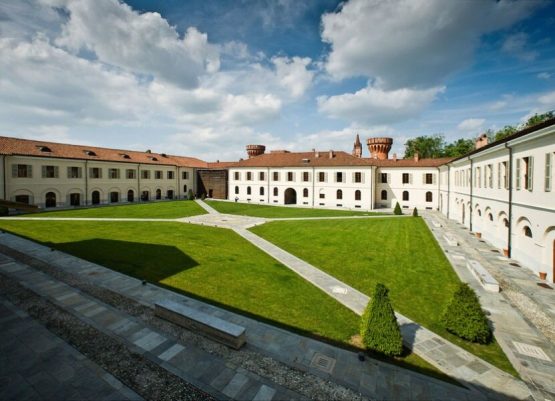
{"x":205,"y":78}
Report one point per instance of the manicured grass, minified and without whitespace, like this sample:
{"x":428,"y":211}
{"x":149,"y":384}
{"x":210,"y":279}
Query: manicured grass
{"x":156,"y":210}
{"x":246,"y":209}
{"x":212,"y":264}
{"x":398,"y":252}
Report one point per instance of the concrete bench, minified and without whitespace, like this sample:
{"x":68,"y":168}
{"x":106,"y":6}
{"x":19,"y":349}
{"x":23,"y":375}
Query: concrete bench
{"x":482,"y":275}
{"x":451,"y":240}
{"x":436,"y":224}
{"x":212,"y":327}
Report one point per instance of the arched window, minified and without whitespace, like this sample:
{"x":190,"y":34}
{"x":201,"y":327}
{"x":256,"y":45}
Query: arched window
{"x":236,"y":190}
{"x":405,"y":195}
{"x":130,"y":196}
{"x":357,"y":195}
{"x":261,"y":191}
{"x":275,"y":191}
{"x":479,"y":212}
{"x":305,"y":193}
{"x":50,"y":199}
{"x":527,"y":231}
{"x":95,"y":198}
{"x":490,"y":217}
{"x":248,"y":190}
{"x":506,"y":223}
{"x":158,"y":193}
{"x":114,"y":197}
{"x":339,"y":194}
{"x":429,"y":196}
{"x":185,"y":188}
{"x":384,"y":194}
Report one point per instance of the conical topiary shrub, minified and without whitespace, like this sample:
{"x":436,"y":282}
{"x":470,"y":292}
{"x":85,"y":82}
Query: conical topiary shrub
{"x":379,"y":329}
{"x":465,"y":318}
{"x":415,"y":213}
{"x":397,"y":209}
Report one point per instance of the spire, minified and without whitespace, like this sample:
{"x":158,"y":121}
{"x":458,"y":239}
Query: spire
{"x":357,"y":148}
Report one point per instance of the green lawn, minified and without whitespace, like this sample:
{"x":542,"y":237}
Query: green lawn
{"x":401,"y":253}
{"x":246,"y":209}
{"x":212,"y":264}
{"x":156,"y":210}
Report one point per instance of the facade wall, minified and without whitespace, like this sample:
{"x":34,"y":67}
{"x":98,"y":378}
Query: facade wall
{"x":411,"y":190}
{"x":212,"y":183}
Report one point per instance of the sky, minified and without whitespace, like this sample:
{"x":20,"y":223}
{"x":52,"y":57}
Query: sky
{"x":205,"y":78}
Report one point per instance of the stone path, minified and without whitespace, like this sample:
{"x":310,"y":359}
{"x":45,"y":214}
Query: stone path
{"x":37,"y":365}
{"x":372,"y":378}
{"x":530,"y":352}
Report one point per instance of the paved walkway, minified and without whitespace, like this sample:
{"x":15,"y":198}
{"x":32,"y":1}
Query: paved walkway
{"x":37,"y":365}
{"x":372,"y":378}
{"x":530,"y":352}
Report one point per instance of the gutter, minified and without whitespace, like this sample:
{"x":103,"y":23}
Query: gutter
{"x":471,"y":192}
{"x":448,"y":189}
{"x":510,"y":230}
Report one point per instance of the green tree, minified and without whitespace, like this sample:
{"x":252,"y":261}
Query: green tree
{"x":538,"y":118}
{"x":414,"y":212}
{"x":459,"y":148}
{"x":430,"y":146}
{"x":397,"y":209}
{"x":379,"y":328}
{"x":505,"y":132}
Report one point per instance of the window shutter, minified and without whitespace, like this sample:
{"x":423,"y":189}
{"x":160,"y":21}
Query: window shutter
{"x":43,"y":171}
{"x":353,"y":179}
{"x":530,"y":173}
{"x":29,"y":171}
{"x":517,"y":174}
{"x":56,"y":172}
{"x":79,"y":172}
{"x":498,"y":175}
{"x":68,"y":172}
{"x":362,"y":177}
{"x":434,"y":179}
{"x":388,"y":178}
{"x":410,"y":178}
{"x":424,"y":178}
{"x":547,"y":172}
{"x":14,"y":170}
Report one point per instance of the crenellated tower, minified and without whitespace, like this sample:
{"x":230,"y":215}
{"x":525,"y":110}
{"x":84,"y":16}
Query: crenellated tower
{"x":379,"y":147}
{"x":255,"y":150}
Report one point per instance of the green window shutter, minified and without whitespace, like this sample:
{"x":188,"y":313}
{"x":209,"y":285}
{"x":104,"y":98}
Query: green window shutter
{"x":14,"y":170}
{"x":29,"y":171}
{"x":548,"y":172}
{"x":43,"y":171}
{"x":517,"y":174}
{"x":530,"y":173}
{"x":68,"y":172}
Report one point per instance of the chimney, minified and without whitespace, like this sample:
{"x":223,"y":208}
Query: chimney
{"x":481,"y":141}
{"x":331,"y":154}
{"x":316,"y":154}
{"x":416,"y":157}
{"x":394,"y":157}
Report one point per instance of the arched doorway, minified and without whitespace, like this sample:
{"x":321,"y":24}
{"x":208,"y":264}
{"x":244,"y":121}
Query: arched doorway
{"x":95,"y":198}
{"x":130,"y":195}
{"x":50,"y":199}
{"x":290,"y":196}
{"x":158,"y":193}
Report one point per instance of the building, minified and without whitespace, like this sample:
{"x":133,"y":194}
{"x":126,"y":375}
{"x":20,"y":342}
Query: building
{"x":501,"y":191}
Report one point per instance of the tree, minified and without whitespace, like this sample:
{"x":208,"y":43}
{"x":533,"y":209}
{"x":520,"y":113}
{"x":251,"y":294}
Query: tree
{"x":458,"y":148}
{"x":415,"y":213}
{"x":397,"y":209}
{"x":505,"y":132}
{"x":430,"y":146}
{"x":538,"y":118}
{"x":379,"y":328}
{"x":464,"y":317}
{"x":190,"y":195}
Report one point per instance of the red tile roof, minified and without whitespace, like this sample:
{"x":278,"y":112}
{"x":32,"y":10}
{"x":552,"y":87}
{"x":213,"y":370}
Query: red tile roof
{"x":26,"y":147}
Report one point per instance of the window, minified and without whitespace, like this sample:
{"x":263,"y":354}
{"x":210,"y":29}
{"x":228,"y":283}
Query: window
{"x":383,"y":179}
{"x":490,"y":217}
{"x":145,"y":195}
{"x":114,"y":197}
{"x":50,"y":199}
{"x":527,"y":231}
{"x":45,"y":149}
{"x":506,"y":223}
{"x":236,"y":176}
{"x":170,"y":175}
{"x":321,"y":177}
{"x":429,"y":196}
{"x":22,"y":171}
{"x":548,"y":169}
{"x":125,"y":156}
{"x":490,"y":175}
{"x":405,"y":195}
{"x":145,"y":174}
{"x":477,"y":177}
{"x":158,"y":174}
{"x":357,"y":195}
{"x":528,"y":172}
{"x":95,"y":198}
{"x":275,"y":191}
{"x":185,"y":175}
{"x":95,"y":172}
{"x":75,"y":199}
{"x":358,"y":176}
{"x":339,"y":177}
{"x":275,"y":176}
{"x":89,"y":153}
{"x":339,"y":194}
{"x":185,"y":189}
{"x":479,"y":212}
{"x":249,"y":176}
{"x":130,"y":196}
{"x":261,"y":191}
{"x":406,"y":178}
{"x":306,"y":176}
{"x":236,"y":190}
{"x":429,"y":178}
{"x":248,"y":190}
{"x":74,"y":172}
{"x":290,"y":176}
{"x":130,"y":174}
{"x":23,"y":199}
{"x":158,"y":193}
{"x":50,"y":172}
{"x":322,"y":195}
{"x":384,"y":194}
{"x":113,"y":173}
{"x":305,"y":193}
{"x":261,"y":176}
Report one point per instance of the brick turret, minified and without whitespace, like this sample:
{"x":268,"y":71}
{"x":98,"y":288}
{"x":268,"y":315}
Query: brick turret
{"x":379,"y":147}
{"x":255,"y":150}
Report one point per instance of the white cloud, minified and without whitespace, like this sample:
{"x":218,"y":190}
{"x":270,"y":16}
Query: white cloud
{"x":548,"y":100}
{"x":143,"y":43}
{"x":375,"y":106}
{"x":471,"y":124}
{"x":518,"y":46}
{"x":292,"y":74}
{"x":544,"y":75}
{"x":412,"y":43}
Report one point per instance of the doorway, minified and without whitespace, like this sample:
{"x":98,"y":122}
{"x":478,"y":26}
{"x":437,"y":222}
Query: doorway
{"x":290,"y":196}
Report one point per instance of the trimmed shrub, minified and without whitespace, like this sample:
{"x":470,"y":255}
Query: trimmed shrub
{"x":397,"y":209}
{"x":190,"y":195}
{"x":415,"y":213}
{"x":4,"y":211}
{"x":203,"y":196}
{"x":379,"y":328}
{"x":465,"y":318}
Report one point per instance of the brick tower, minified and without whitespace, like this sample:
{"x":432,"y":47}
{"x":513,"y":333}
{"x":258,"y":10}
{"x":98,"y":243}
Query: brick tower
{"x":255,"y":150}
{"x":357,"y":148}
{"x":379,"y":147}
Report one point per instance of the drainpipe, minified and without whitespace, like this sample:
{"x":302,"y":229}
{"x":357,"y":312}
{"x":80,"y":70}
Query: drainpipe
{"x":139,"y":182}
{"x":86,"y":182}
{"x":448,"y":188}
{"x":313,"y":187}
{"x":373,"y":181}
{"x":177,"y":182}
{"x":268,"y":181}
{"x":471,"y":192}
{"x":438,"y":186}
{"x":4,"y":178}
{"x":510,"y":230}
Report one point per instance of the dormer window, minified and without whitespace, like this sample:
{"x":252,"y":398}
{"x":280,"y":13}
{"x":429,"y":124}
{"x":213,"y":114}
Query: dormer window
{"x":44,"y":148}
{"x":125,"y":156}
{"x":306,"y":161}
{"x":153,"y":158}
{"x":164,"y":155}
{"x":89,"y":153}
